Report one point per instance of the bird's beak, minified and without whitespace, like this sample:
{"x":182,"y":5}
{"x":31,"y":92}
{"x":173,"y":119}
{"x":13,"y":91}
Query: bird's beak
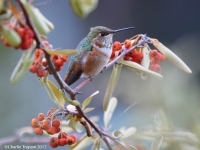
{"x":118,"y":30}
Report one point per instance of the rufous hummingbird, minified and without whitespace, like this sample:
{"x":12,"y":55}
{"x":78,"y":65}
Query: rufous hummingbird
{"x":93,"y":54}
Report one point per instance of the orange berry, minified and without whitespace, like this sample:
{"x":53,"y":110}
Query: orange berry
{"x":155,"y":68}
{"x":73,"y":137}
{"x":62,"y":142}
{"x":59,"y":62}
{"x":38,"y":131}
{"x":64,"y":58}
{"x":34,"y":123}
{"x":62,"y":135}
{"x":38,"y":52}
{"x":137,"y":56}
{"x":21,"y":32}
{"x":53,"y":142}
{"x":56,"y":123}
{"x":45,"y":124}
{"x":50,"y":130}
{"x":116,"y":46}
{"x":41,"y":116}
{"x":112,"y":55}
{"x":58,"y":68}
{"x":41,"y":73}
{"x":127,"y":43}
{"x":33,"y":69}
{"x":57,"y":130}
{"x":54,"y":57}
{"x":70,"y":140}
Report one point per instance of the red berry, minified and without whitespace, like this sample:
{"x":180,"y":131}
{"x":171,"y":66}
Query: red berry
{"x":70,"y":140}
{"x":56,"y":123}
{"x":59,"y":62}
{"x":33,"y":69}
{"x":50,"y":130}
{"x":127,"y":43}
{"x":38,"y":131}
{"x":112,"y":55}
{"x":64,"y":58}
{"x":62,"y":142}
{"x":45,"y":124}
{"x":44,"y":62}
{"x":58,"y":68}
{"x":54,"y":57}
{"x":155,"y":68}
{"x":34,"y":123}
{"x":116,"y":46}
{"x":53,"y":142}
{"x":137,"y":56}
{"x":46,"y":43}
{"x":41,"y":116}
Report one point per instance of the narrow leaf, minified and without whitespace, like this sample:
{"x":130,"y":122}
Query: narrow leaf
{"x":22,"y":66}
{"x":157,"y":143}
{"x":132,"y":147}
{"x":44,"y":82}
{"x":61,"y":52}
{"x":128,"y":132}
{"x":145,"y":60}
{"x":87,"y":101}
{"x":72,"y":102}
{"x":171,"y":56}
{"x":58,"y":94}
{"x":109,"y":112}
{"x":88,"y":110}
{"x":136,"y":67}
{"x":111,"y":85}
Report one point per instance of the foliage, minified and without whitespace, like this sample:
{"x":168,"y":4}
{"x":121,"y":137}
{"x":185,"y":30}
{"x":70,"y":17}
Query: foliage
{"x":26,"y":27}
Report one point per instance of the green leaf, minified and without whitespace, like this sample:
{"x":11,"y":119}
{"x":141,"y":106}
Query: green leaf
{"x":72,"y":102}
{"x":132,"y":147}
{"x":128,"y":132}
{"x":145,"y":60}
{"x":157,"y":143}
{"x":171,"y":56}
{"x":108,"y":114}
{"x":111,"y":85}
{"x":88,"y":110}
{"x":45,"y":83}
{"x":136,"y":67}
{"x":58,"y":94}
{"x":77,"y":126}
{"x":43,"y":26}
{"x":22,"y":66}
{"x":87,"y":101}
{"x":82,"y":7}
{"x":61,"y":52}
{"x":117,"y":134}
{"x":11,"y":36}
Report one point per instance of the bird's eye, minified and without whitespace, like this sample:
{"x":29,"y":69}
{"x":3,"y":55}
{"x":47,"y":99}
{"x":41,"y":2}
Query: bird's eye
{"x":103,"y":33}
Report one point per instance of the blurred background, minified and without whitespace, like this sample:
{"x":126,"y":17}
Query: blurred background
{"x":174,"y":23}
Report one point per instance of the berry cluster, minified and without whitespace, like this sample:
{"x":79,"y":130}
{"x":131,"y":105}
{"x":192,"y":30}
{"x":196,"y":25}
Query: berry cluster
{"x":26,"y":35}
{"x":156,"y":57}
{"x":40,"y":66}
{"x":62,"y":140}
{"x":59,"y":61}
{"x":52,"y":126}
{"x":135,"y":55}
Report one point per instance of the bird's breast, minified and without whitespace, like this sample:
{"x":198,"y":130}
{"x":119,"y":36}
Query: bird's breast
{"x":95,"y":60}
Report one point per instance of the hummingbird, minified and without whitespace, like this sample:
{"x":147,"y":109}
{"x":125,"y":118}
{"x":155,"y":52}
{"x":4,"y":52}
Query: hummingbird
{"x":93,"y":54}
